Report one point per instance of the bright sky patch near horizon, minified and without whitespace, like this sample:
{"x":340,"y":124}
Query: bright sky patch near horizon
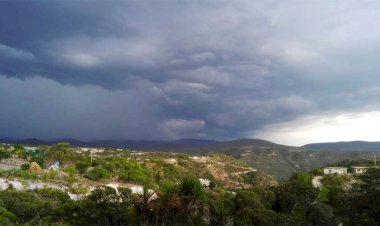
{"x":290,"y":71}
{"x":329,"y":128}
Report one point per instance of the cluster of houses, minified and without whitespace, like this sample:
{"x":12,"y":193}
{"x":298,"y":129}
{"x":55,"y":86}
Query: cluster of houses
{"x":15,"y":162}
{"x":344,"y":170}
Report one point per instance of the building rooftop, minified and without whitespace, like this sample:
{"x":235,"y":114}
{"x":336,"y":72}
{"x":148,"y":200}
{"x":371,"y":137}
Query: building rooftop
{"x":335,"y":167}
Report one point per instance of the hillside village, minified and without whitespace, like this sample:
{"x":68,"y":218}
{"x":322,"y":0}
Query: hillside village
{"x":211,"y":170}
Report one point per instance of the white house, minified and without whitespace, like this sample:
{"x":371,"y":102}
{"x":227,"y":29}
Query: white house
{"x":359,"y":169}
{"x":171,"y":161}
{"x":30,"y":149}
{"x":55,"y":166}
{"x":335,"y":170}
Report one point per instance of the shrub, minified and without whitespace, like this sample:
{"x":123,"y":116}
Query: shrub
{"x":97,"y":173}
{"x":24,"y":205}
{"x":52,"y":174}
{"x":39,"y":160}
{"x":6,"y":217}
{"x":134,"y":175}
{"x":25,"y":166}
{"x":70,"y":170}
{"x":82,"y":166}
{"x":4,"y":154}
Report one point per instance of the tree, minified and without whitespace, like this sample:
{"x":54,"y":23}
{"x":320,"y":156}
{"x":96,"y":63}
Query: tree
{"x":332,"y":189}
{"x":294,"y":198}
{"x":249,"y":216}
{"x":82,"y":165}
{"x":169,"y":204}
{"x":25,"y":206}
{"x":251,"y":211}
{"x":222,"y":210}
{"x":104,"y":206}
{"x":97,"y":173}
{"x":320,"y":214}
{"x":193,"y":199}
{"x":298,"y":190}
{"x":145,"y":204}
{"x":18,"y":147}
{"x":38,"y":159}
{"x":363,"y":200}
{"x":248,"y":199}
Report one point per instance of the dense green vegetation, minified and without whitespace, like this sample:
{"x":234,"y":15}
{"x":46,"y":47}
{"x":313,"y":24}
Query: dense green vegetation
{"x":294,"y":202}
{"x":173,"y":195}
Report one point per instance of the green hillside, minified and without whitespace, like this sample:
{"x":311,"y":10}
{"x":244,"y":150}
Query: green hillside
{"x":279,"y":160}
{"x":281,"y":163}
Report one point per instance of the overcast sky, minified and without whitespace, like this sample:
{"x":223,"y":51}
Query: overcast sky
{"x":292,"y":72}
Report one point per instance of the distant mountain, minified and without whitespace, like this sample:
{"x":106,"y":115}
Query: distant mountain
{"x":279,"y":160}
{"x":149,"y":145}
{"x":195,"y":142}
{"x":35,"y":141}
{"x":181,"y":145}
{"x":234,"y":145}
{"x":345,"y":146}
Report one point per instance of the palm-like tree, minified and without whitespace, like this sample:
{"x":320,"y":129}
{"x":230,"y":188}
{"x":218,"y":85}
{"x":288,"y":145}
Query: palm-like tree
{"x":221,"y":213}
{"x":146,"y":205}
{"x":170,"y":204}
{"x":193,"y":199}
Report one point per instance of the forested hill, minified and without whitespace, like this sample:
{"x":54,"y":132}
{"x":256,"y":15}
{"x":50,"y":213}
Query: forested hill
{"x":181,"y":145}
{"x":282,"y":163}
{"x":278,"y":160}
{"x":345,"y":146}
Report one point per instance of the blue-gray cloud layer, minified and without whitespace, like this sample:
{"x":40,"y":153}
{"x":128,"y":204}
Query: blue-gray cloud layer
{"x":169,"y":69}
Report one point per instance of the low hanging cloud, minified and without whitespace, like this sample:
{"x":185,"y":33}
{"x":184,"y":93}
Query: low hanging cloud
{"x":217,"y":70}
{"x":178,"y":128}
{"x":15,"y":54}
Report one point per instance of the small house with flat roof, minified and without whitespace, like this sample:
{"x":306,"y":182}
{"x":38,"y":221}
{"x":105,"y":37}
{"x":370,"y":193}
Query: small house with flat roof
{"x":335,"y":170}
{"x":359,"y":169}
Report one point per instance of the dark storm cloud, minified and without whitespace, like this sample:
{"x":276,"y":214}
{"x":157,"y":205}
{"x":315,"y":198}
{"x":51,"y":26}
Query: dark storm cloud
{"x":216,"y":69}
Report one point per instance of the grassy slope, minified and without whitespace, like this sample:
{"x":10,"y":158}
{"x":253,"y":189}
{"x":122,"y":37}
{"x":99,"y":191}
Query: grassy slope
{"x":282,"y":163}
{"x":219,"y":168}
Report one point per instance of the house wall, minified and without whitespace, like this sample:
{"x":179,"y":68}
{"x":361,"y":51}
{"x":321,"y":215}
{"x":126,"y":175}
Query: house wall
{"x":359,"y":170}
{"x":334,"y":170}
